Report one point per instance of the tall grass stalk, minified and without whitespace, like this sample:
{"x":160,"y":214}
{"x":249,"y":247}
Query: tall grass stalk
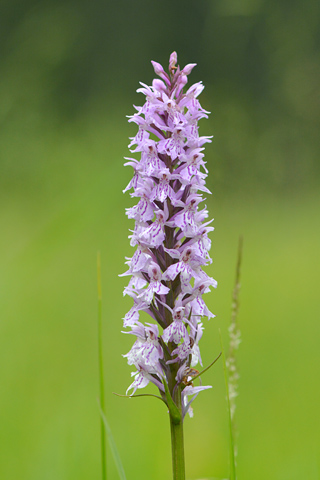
{"x":233,"y":475}
{"x":231,"y":374}
{"x":101,"y":377}
{"x":234,"y":342}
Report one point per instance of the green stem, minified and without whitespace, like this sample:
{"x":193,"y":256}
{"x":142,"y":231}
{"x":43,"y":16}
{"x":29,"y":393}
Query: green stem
{"x":102,"y":405}
{"x":177,"y":444}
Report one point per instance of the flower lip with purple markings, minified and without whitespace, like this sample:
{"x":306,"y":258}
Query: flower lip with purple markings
{"x":170,"y":234}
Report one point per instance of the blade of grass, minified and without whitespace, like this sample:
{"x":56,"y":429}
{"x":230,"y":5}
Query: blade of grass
{"x":113,"y":447}
{"x":229,"y":365}
{"x":231,"y":439}
{"x":101,"y":377}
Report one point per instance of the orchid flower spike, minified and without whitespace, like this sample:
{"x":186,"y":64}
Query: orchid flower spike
{"x":167,"y":280}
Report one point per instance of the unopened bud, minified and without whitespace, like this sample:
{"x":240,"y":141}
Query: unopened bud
{"x":158,"y":85}
{"x":181,"y":83}
{"x":160,"y":71}
{"x":172,"y":61}
{"x":157,"y":68}
{"x":188,"y":68}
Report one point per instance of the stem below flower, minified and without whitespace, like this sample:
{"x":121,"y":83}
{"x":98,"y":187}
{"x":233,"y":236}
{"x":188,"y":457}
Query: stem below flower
{"x":177,"y":444}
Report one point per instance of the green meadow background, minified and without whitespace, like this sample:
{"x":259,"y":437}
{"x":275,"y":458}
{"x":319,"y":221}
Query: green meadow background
{"x":68,"y":75}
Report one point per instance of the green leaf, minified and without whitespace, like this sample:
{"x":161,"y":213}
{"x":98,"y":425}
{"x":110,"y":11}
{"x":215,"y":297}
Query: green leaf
{"x":175,"y":413}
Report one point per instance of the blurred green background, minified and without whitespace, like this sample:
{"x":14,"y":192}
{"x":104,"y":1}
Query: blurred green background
{"x":69,"y":71}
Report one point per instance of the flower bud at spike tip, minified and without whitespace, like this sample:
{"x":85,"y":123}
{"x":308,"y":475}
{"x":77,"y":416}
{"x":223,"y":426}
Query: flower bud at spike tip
{"x":170,"y":237}
{"x":158,"y":69}
{"x":158,"y":85}
{"x":173,"y":61}
{"x":181,"y":83}
{"x":188,"y":68}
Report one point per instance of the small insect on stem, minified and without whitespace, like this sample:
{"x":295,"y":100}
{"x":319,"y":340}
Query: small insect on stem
{"x":190,"y":372}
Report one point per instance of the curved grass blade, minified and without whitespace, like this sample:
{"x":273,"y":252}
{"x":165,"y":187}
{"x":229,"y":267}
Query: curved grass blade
{"x":105,"y":428}
{"x":113,"y":447}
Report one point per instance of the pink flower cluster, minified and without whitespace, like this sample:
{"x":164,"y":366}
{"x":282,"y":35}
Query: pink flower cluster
{"x":170,"y":234}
